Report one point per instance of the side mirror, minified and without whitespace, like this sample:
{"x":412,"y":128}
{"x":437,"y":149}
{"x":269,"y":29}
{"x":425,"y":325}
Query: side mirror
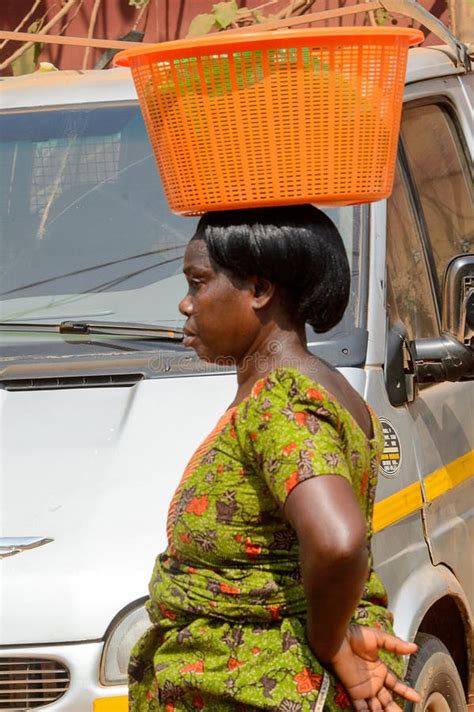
{"x":398,"y":371}
{"x":458,"y":299}
{"x":450,"y":357}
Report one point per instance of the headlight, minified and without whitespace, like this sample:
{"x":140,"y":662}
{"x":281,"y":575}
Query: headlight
{"x":118,"y":645}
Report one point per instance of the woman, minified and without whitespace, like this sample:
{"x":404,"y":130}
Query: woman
{"x":265,"y":598}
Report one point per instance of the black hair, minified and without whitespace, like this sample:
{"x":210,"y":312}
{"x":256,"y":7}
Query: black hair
{"x":296,"y":247}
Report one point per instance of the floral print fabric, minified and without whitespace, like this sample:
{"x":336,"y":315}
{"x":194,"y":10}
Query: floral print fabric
{"x":227,"y":604}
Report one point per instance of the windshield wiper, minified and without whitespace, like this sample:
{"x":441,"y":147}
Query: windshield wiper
{"x":112,"y":328}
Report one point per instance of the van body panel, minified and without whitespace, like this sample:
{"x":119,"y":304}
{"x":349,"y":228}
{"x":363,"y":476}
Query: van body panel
{"x":419,"y":591}
{"x":67,"y":87}
{"x":376,"y":314}
{"x":433,"y":61}
{"x":104,"y":508}
{"x":398,"y":551}
{"x":450,"y":531}
{"x":442,"y":417}
{"x":407,"y":473}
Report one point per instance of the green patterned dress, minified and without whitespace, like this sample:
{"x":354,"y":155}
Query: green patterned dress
{"x":226,"y":598}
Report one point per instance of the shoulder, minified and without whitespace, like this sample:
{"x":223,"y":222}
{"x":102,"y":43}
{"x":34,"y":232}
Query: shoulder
{"x":290,"y":393}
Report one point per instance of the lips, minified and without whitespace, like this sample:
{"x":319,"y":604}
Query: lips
{"x":188,"y":337}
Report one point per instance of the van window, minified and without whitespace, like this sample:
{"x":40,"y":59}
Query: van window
{"x":409,"y":293}
{"x":439,"y":171}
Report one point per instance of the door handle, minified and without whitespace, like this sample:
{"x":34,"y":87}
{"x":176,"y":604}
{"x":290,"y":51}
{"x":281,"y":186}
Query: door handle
{"x":9,"y":546}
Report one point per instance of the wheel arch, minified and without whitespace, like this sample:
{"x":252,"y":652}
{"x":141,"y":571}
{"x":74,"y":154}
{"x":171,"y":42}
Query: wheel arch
{"x":432,"y":601}
{"x":446,"y":620}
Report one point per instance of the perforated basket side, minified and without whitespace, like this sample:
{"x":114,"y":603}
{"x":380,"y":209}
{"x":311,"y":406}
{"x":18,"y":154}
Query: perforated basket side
{"x":298,"y":122}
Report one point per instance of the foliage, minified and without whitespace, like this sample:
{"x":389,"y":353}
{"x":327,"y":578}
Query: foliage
{"x":201,"y":25}
{"x":28,"y":62}
{"x":32,"y":49}
{"x":228,"y":14}
{"x":223,"y":14}
{"x":381,"y":16}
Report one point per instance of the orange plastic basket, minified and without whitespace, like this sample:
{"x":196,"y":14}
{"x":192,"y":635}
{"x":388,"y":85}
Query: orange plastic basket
{"x":259,"y":119}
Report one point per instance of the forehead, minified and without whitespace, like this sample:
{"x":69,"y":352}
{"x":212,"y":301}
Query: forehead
{"x":196,"y":256}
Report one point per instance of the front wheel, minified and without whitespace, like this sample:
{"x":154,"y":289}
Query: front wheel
{"x":433,"y":674}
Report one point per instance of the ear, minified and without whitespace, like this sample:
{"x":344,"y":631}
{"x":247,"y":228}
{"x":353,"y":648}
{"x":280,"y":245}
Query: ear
{"x":263,"y":292}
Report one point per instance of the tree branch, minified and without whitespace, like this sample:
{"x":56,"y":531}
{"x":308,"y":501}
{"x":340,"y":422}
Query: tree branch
{"x":25,"y":19}
{"x":145,"y":8}
{"x":90,"y":30}
{"x":246,"y":15}
{"x":297,"y":7}
{"x":72,"y":18}
{"x":63,"y":11}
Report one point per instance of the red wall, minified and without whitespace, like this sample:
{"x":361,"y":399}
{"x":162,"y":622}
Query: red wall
{"x":165,"y":20}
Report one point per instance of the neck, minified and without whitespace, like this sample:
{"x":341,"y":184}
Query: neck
{"x":276,"y":347}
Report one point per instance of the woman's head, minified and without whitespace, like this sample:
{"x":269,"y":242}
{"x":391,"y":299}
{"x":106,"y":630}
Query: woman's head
{"x":297,"y":248}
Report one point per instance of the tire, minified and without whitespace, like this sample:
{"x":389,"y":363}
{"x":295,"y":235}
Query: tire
{"x":433,"y":674}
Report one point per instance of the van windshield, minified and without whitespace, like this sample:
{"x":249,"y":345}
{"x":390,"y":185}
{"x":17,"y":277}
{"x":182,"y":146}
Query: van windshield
{"x":86,"y":232}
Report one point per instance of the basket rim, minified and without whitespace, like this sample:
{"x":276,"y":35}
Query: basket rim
{"x":240,"y":41}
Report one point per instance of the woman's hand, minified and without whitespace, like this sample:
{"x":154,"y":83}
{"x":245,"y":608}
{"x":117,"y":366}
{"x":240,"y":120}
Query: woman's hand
{"x":367,"y":680}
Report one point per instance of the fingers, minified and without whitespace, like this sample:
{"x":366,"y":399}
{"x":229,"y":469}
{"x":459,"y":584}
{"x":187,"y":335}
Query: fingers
{"x":387,"y":701}
{"x":383,"y":702}
{"x":401,"y":688}
{"x":392,"y":644}
{"x":384,"y":697}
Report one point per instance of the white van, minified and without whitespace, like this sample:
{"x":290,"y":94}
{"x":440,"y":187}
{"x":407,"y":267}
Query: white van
{"x":100,"y":409}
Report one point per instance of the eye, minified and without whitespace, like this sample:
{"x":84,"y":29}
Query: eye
{"x":193,"y":283}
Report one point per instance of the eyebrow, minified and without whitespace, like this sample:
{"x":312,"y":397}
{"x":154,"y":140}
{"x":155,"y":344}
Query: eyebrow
{"x":194,"y":268}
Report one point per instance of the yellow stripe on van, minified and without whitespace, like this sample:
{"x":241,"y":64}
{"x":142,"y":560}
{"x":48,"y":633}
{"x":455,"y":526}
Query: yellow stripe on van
{"x":111,"y":704}
{"x":401,"y":504}
{"x":450,"y":476}
{"x":397,"y":506}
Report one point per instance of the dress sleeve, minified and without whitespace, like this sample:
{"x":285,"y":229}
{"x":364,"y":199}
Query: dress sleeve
{"x":289,"y":431}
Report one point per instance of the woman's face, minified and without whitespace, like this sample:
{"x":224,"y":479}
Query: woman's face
{"x":221,"y":323}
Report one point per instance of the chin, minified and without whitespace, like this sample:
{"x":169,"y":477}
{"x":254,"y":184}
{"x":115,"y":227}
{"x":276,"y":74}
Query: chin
{"x":216,"y":359}
{"x":205,"y":354}
{"x":202,"y":354}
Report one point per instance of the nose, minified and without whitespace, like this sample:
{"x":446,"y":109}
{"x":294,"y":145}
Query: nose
{"x":185,"y":306}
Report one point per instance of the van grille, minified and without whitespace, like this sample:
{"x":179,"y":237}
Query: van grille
{"x":31,"y":682}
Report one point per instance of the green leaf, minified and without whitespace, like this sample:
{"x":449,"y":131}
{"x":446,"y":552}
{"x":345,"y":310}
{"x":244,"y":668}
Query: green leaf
{"x":201,"y":25}
{"x":138,"y":3}
{"x":27,"y":62}
{"x":36,"y":25}
{"x":381,"y":16}
{"x":225,"y":13}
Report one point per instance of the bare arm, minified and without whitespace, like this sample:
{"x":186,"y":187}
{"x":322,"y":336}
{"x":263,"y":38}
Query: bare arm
{"x":333,"y":554}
